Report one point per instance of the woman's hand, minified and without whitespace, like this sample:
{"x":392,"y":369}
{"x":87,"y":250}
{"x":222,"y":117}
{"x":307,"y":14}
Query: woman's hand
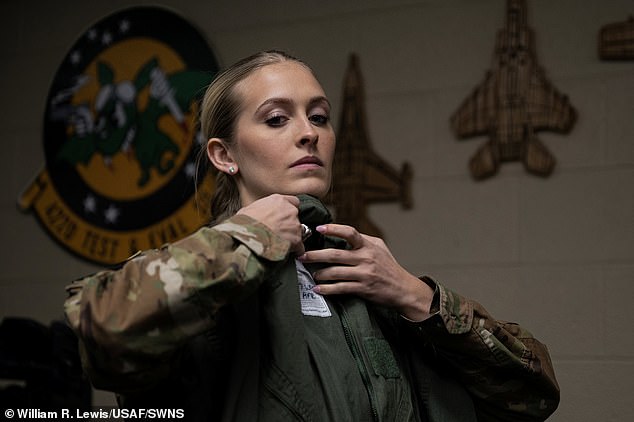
{"x":370,"y":271}
{"x":280,"y":213}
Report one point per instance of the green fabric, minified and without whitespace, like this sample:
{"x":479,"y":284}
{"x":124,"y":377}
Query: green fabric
{"x":381,"y":357}
{"x":443,"y":398}
{"x":286,"y":366}
{"x":342,"y":367}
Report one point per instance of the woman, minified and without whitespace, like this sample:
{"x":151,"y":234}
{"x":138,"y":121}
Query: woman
{"x":214,"y":323}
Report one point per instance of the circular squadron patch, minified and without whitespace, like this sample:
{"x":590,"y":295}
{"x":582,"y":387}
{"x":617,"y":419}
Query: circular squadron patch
{"x":121,"y":139}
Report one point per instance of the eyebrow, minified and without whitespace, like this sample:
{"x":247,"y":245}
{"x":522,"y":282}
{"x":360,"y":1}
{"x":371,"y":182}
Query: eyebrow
{"x":288,"y":101}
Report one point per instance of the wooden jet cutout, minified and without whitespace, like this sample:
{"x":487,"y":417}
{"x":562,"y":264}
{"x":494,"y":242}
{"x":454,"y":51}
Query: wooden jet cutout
{"x":616,"y":40}
{"x":513,"y":103}
{"x":360,"y":176}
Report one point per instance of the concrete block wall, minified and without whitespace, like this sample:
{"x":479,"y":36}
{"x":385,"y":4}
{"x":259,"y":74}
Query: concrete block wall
{"x":554,"y":254}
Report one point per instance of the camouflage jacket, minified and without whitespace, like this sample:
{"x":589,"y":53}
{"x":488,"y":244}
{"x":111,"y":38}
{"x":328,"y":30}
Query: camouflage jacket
{"x":133,"y":321}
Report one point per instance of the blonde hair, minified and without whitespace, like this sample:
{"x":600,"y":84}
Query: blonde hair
{"x":219,"y":113}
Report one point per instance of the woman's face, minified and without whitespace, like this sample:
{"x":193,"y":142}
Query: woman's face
{"x":284,"y":141}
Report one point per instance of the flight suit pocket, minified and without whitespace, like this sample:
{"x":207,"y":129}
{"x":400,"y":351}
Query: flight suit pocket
{"x":381,"y":357}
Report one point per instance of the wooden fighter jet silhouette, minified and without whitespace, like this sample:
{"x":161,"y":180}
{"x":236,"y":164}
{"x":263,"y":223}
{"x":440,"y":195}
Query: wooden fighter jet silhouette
{"x":360,"y":176}
{"x":616,"y":40}
{"x":513,"y":103}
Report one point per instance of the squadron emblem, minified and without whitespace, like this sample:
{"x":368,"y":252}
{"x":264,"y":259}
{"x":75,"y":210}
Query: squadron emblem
{"x":121,"y":139}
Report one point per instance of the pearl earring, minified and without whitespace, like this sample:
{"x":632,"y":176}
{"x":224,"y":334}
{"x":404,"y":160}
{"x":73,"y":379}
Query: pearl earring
{"x":232,"y":170}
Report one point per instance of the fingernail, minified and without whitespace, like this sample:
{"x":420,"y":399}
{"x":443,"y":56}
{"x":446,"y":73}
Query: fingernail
{"x":316,"y":289}
{"x":321,"y":229}
{"x":301,"y":257}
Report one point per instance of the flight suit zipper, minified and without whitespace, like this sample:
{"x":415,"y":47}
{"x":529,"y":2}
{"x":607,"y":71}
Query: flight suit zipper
{"x":358,"y":357}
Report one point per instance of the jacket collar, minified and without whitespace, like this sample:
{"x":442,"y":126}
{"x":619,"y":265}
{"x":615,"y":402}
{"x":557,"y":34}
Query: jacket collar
{"x":313,"y":213}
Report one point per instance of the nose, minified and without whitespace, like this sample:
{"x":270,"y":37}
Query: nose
{"x":308,"y":135}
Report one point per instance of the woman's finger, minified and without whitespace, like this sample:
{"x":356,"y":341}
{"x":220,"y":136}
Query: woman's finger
{"x":348,"y":233}
{"x":341,"y":288}
{"x":330,"y":256}
{"x":349,"y":273}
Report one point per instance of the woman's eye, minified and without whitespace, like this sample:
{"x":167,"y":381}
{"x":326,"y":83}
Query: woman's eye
{"x":319,"y":119}
{"x":277,"y":120}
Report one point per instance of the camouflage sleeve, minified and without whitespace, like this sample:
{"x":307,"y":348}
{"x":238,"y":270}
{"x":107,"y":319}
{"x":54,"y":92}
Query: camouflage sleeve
{"x":131,"y":320}
{"x":507,"y":371}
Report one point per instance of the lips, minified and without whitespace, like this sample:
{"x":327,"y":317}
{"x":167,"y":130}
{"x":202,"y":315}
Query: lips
{"x":308,"y":160}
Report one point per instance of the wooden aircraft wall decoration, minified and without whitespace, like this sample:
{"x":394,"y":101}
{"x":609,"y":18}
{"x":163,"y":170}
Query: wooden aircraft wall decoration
{"x":360,"y":176}
{"x":616,"y":40}
{"x":513,"y":103}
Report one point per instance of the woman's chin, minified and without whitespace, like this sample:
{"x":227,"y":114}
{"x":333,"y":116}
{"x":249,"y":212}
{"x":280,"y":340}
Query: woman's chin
{"x":313,"y":189}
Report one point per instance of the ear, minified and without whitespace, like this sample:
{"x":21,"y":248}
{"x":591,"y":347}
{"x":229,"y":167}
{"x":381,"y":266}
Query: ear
{"x":220,"y":156}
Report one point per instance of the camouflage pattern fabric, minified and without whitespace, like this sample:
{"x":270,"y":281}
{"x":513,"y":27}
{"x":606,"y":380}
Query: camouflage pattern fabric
{"x":132,"y":320}
{"x":507,"y":371}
